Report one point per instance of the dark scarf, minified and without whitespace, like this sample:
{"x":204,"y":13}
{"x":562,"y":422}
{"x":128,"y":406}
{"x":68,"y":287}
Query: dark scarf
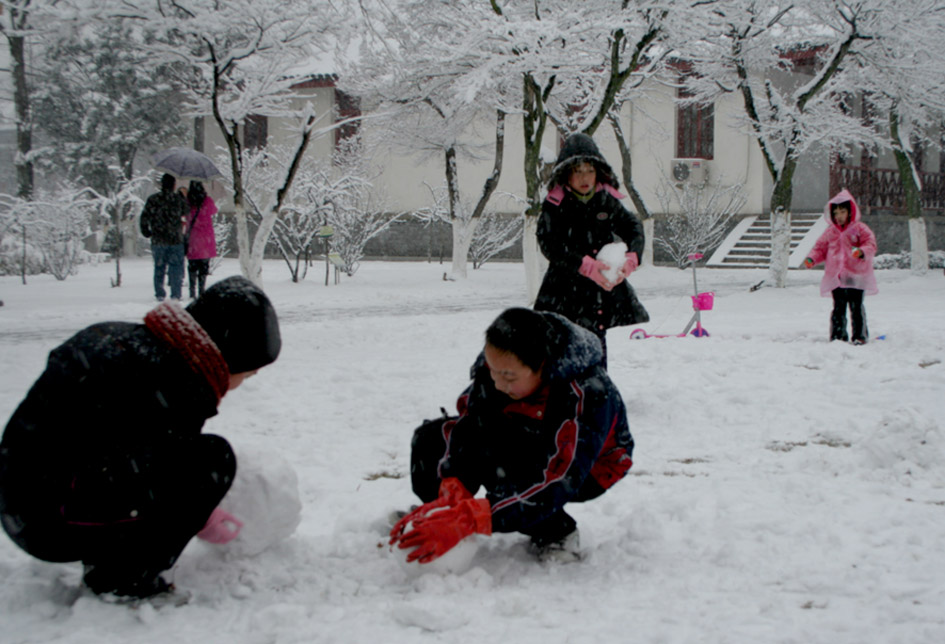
{"x":176,"y":328}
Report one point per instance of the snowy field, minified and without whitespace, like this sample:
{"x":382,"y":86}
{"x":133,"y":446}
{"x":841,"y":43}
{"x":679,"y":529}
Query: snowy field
{"x":785,"y":489}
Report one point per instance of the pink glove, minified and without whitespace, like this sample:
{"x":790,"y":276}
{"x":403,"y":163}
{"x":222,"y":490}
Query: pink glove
{"x":222,"y":527}
{"x":591,"y":268}
{"x":632,"y":264}
{"x":452,"y":491}
{"x":434,"y":535}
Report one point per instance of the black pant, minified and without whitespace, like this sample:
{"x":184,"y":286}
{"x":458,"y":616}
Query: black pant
{"x":842,"y":299}
{"x":129,"y":516}
{"x":428,"y":448}
{"x":197,"y":271}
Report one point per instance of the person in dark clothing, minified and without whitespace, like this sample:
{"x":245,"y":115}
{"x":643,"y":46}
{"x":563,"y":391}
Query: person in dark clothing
{"x":581,"y":214}
{"x":104,"y":461}
{"x":162,"y":220}
{"x":541,"y":425}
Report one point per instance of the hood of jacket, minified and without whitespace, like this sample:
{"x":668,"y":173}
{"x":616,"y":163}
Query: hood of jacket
{"x":841,"y":197}
{"x":572,"y":351}
{"x":576,"y":149}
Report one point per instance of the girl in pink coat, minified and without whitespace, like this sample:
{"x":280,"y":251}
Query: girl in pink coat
{"x":201,"y":241}
{"x":847,"y":249}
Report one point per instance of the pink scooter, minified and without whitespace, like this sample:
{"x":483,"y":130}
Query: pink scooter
{"x":700,"y":302}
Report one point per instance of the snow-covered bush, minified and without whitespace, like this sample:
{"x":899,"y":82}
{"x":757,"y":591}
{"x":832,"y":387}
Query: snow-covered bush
{"x":700,"y":216}
{"x":13,"y":256}
{"x":903,"y":259}
{"x":494,"y":234}
{"x":49,"y":229}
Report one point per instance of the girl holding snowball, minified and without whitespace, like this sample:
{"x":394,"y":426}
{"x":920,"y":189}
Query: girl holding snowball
{"x":582,"y":215}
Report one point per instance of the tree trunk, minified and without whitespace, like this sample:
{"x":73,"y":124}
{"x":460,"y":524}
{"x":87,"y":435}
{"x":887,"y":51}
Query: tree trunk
{"x":534,"y":120}
{"x":781,"y":225}
{"x":627,"y":173}
{"x":21,"y":103}
{"x":535,"y":269}
{"x":462,"y":239}
{"x":912,"y":194}
{"x":649,"y":225}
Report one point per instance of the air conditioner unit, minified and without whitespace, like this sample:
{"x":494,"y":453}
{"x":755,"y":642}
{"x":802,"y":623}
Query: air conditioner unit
{"x":694,"y":171}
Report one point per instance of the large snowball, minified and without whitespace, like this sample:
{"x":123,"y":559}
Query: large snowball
{"x":265,"y":497}
{"x":615,"y":256}
{"x":455,"y":561}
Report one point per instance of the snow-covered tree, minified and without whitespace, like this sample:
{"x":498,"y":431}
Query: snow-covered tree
{"x":18,"y":19}
{"x":752,"y":40}
{"x":100,"y":100}
{"x":900,"y":76}
{"x":244,"y":57}
{"x":414,"y":71}
{"x":319,"y":186}
{"x":119,"y":208}
{"x":360,"y":212}
{"x":540,"y":60}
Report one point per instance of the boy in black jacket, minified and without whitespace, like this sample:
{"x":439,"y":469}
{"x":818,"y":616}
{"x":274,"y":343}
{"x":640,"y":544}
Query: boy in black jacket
{"x":541,"y":425}
{"x":104,"y":461}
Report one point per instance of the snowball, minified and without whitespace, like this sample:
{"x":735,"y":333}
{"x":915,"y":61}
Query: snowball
{"x":265,"y":497}
{"x":456,"y":560}
{"x":615,"y":256}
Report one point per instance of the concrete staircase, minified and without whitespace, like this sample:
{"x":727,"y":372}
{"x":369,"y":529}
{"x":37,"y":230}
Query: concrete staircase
{"x":749,"y":243}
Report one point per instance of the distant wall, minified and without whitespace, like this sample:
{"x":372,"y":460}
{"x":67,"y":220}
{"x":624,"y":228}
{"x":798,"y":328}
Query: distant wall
{"x":411,"y":240}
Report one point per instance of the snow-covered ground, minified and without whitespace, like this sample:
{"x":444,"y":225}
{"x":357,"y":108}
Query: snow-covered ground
{"x":785,"y":489}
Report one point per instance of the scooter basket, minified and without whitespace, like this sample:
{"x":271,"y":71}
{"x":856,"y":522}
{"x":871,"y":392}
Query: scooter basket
{"x":703,"y":301}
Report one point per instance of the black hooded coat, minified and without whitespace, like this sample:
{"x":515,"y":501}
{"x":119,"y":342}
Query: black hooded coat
{"x":104,"y":460}
{"x":569,"y":229}
{"x":569,"y":441}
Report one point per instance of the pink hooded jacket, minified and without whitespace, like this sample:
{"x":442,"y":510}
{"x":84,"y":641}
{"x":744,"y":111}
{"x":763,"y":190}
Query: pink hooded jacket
{"x":203,"y":241}
{"x":835,"y":249}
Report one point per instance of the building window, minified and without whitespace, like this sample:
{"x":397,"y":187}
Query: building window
{"x":695,"y":129}
{"x":255,"y":131}
{"x":346,"y":107}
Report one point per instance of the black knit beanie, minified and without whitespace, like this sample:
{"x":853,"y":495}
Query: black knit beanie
{"x":240,"y":319}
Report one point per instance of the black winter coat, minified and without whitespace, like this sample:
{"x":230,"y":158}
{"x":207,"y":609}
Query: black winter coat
{"x":534,"y":455}
{"x":568,"y":231}
{"x":163,"y":218}
{"x":111,"y":398}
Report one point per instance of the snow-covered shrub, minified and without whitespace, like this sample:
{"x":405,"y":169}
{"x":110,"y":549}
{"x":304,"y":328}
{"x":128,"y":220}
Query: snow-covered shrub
{"x":12,"y":257}
{"x":494,"y":234}
{"x":700,"y":216}
{"x":904,"y":260}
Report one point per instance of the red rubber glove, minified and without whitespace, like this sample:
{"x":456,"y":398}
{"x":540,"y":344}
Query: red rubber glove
{"x":221,"y":527}
{"x":591,"y":269}
{"x":633,"y":262}
{"x":435,"y":534}
{"x":858,"y":253}
{"x":452,"y":491}
{"x":808,"y":262}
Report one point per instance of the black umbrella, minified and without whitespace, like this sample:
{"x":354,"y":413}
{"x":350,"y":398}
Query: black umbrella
{"x":186,"y":163}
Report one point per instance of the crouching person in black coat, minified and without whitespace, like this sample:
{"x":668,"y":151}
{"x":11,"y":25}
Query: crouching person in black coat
{"x":541,"y":425}
{"x":104,"y":461}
